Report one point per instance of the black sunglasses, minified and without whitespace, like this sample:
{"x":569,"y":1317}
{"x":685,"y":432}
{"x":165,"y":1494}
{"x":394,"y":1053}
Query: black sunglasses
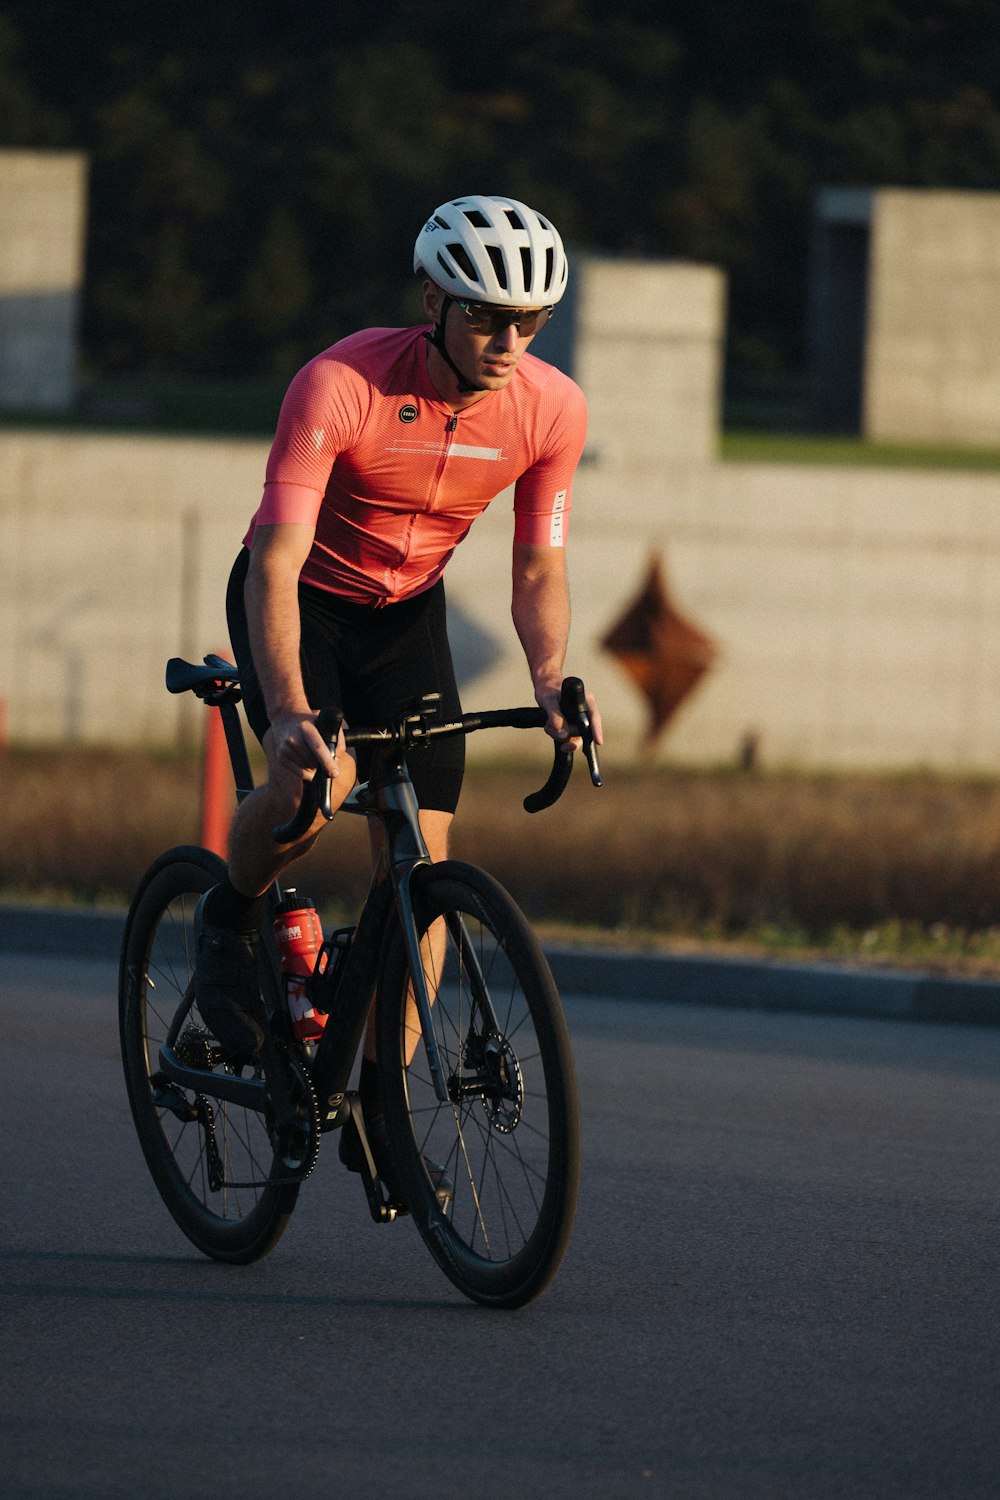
{"x":486,"y":317}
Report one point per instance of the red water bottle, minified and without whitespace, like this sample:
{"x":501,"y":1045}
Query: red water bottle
{"x":299,"y":937}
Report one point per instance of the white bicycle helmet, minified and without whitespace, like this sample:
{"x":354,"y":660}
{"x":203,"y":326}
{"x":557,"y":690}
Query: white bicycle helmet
{"x":492,"y":250}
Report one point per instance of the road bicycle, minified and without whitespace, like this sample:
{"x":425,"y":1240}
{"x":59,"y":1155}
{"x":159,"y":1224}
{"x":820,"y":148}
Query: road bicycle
{"x":488,"y":1093}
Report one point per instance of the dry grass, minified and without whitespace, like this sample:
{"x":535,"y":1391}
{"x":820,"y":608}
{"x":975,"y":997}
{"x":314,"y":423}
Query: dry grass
{"x":883,"y":867}
{"x":879,"y":868}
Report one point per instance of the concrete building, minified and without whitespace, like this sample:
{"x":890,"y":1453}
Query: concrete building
{"x":42,"y":225}
{"x":645,"y":340}
{"x":905,"y":315}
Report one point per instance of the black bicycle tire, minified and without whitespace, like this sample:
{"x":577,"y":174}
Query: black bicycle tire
{"x":522,"y":1275}
{"x":186,"y":871}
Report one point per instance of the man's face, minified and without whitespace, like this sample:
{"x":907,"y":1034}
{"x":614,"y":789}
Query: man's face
{"x":485,"y":341}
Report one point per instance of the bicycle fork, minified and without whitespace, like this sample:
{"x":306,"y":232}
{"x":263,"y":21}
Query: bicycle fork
{"x":418,"y":979}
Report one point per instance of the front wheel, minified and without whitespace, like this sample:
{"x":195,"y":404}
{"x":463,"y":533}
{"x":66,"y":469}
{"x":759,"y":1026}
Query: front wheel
{"x":507,"y":1138}
{"x":218,"y":1166}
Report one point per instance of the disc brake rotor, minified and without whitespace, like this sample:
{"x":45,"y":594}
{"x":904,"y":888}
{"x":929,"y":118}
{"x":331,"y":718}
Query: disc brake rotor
{"x":503,"y":1101}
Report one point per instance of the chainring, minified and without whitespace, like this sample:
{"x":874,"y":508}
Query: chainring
{"x":295,"y":1138}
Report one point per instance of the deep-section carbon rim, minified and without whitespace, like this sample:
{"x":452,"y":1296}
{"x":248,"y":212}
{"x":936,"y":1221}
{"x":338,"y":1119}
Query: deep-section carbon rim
{"x":212,"y":1161}
{"x":508,"y":1136}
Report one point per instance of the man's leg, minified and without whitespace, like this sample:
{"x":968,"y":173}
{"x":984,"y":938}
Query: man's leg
{"x":227,"y":921}
{"x":255,"y":860}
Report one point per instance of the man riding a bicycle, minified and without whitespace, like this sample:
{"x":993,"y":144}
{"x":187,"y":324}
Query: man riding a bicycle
{"x":388,"y":445}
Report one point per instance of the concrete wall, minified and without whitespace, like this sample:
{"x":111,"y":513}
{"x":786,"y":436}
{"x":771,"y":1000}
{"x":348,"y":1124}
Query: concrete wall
{"x":857,"y":611}
{"x":904,"y":316}
{"x":932,"y":369}
{"x":645,"y":341}
{"x":42,"y":213}
{"x":114,"y":553}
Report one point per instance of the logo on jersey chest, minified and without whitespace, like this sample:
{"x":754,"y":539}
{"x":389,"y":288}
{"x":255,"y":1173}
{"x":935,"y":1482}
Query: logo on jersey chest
{"x":408,"y":413}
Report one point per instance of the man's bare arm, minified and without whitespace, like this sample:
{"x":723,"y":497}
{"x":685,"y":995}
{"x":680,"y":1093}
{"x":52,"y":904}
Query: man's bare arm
{"x":541,"y":613}
{"x":272,"y":604}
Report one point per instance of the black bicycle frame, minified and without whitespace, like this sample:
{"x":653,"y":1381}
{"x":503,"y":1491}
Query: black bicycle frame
{"x":346,"y":990}
{"x":346,"y":996}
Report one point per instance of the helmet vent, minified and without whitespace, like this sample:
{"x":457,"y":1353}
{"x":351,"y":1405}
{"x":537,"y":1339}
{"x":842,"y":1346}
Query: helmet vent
{"x":441,"y":223}
{"x":499,"y":264}
{"x":526,"y":265}
{"x":549,"y":266}
{"x":464,"y":261}
{"x":445,"y":266}
{"x":476,"y":219}
{"x":514,"y":218}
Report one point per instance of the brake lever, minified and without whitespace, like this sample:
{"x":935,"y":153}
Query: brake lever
{"x":576,"y":712}
{"x":316,"y":794}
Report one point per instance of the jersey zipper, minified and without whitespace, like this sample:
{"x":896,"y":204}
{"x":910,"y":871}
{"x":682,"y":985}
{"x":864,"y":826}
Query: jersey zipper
{"x":450,"y":427}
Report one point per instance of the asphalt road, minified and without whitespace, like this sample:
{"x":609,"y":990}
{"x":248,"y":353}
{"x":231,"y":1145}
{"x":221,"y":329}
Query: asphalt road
{"x":782,"y":1284}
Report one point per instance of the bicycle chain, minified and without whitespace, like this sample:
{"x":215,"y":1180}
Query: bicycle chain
{"x":304,"y":1093}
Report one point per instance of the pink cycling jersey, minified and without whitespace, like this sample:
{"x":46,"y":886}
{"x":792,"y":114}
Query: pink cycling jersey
{"x":368,"y":453}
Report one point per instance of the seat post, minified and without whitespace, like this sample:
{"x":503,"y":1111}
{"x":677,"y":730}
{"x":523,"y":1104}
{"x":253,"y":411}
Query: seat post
{"x":236,"y":745}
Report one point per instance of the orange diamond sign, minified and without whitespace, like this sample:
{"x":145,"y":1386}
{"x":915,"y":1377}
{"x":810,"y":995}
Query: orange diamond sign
{"x":664,"y":653}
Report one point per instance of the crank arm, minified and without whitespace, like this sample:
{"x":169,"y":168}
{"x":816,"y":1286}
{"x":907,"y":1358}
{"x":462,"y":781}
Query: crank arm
{"x":382,"y":1210}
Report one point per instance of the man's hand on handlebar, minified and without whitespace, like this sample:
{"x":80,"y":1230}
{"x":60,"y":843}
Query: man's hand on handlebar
{"x":298,"y":746}
{"x":548,"y":698}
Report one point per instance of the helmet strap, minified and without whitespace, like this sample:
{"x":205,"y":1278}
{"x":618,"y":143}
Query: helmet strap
{"x":465,"y":385}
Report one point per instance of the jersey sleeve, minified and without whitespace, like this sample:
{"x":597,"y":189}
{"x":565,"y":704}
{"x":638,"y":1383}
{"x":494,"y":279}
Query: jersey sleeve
{"x":543,"y":493}
{"x":323,"y":406}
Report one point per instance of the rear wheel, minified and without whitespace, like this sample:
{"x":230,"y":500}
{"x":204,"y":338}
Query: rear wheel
{"x":508,"y":1135}
{"x":218,"y":1166}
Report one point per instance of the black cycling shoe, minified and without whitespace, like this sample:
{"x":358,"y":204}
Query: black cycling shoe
{"x":227,"y":987}
{"x":351,"y":1154}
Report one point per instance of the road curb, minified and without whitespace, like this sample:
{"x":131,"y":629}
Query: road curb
{"x":765,"y":984}
{"x":692,"y":979}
